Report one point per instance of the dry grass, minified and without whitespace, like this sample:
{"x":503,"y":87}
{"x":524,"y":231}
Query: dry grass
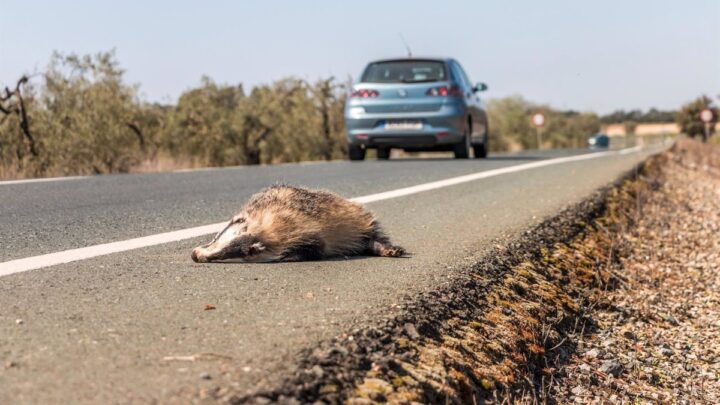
{"x":11,"y":173}
{"x":158,"y":164}
{"x":162,"y":163}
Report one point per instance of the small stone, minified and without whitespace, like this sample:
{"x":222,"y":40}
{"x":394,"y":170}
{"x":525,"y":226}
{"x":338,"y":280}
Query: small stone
{"x":19,"y":321}
{"x":318,"y":371}
{"x":608,"y":342}
{"x":205,"y":376}
{"x":411,"y":331}
{"x":578,"y":391}
{"x":611,"y":367}
{"x":285,"y":400}
{"x":592,"y":353}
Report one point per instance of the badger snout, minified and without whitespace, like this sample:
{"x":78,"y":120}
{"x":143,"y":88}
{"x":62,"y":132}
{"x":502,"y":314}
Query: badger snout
{"x":198,"y":256}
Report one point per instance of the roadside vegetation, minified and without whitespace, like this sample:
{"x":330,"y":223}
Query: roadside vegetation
{"x":80,"y":116}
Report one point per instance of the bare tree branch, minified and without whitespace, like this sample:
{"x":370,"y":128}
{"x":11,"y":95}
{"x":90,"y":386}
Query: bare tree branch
{"x":141,"y":138}
{"x":20,"y":110}
{"x":24,"y":123}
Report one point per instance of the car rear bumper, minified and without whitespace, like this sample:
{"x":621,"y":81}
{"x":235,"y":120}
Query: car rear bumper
{"x":441,"y":128}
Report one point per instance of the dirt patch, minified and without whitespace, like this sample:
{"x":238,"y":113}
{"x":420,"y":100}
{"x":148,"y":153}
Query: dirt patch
{"x":523,"y":324}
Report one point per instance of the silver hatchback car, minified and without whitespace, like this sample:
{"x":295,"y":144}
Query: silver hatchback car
{"x":416,"y":104}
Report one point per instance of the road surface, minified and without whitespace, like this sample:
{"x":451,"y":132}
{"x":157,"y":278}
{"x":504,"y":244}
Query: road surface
{"x":124,"y":327}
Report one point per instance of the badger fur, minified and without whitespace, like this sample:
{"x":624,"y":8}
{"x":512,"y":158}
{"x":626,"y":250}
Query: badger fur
{"x":284,"y":223}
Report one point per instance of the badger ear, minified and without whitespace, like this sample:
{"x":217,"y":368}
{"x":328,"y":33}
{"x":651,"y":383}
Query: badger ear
{"x":256,"y":248}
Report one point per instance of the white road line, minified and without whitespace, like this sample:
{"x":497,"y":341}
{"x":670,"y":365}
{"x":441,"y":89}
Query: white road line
{"x":72,"y":255}
{"x":476,"y":176}
{"x":630,"y":150}
{"x":41,"y":180}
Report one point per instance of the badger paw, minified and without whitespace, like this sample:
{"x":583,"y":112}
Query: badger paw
{"x":387,"y":250}
{"x":393,"y":251}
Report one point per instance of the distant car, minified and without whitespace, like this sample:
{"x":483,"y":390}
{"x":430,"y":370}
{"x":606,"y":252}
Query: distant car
{"x":416,"y":104}
{"x":599,"y":141}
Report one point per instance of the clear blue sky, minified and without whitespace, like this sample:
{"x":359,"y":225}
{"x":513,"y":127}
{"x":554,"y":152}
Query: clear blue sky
{"x":588,"y":55}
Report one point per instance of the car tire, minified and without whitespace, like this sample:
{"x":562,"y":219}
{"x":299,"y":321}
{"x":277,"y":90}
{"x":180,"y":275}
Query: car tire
{"x":480,"y":151}
{"x":383,"y":153}
{"x":356,"y":152}
{"x":462,"y":149}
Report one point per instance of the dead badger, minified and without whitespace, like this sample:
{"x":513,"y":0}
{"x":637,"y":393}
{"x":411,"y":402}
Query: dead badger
{"x":283,"y":223}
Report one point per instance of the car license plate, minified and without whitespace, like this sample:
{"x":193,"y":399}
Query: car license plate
{"x":403,"y":125}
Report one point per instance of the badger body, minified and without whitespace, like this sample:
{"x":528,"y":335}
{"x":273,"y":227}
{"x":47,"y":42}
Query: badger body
{"x":284,"y":223}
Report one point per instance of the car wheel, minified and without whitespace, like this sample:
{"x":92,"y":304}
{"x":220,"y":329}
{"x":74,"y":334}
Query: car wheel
{"x":480,"y":150}
{"x":462,"y":149}
{"x":356,"y":152}
{"x":383,"y":153}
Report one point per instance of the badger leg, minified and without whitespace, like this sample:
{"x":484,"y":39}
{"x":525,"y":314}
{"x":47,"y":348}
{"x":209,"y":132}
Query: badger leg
{"x":311,"y":250}
{"x":379,"y":244}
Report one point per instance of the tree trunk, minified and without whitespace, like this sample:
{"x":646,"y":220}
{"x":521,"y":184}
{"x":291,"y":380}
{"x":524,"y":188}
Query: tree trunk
{"x":28,"y":141}
{"x":327,"y":134}
{"x":136,"y":130}
{"x":252,"y":156}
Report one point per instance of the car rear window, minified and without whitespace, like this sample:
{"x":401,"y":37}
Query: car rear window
{"x":406,"y":71}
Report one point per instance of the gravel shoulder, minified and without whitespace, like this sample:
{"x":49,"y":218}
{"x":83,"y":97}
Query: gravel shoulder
{"x":657,"y":338}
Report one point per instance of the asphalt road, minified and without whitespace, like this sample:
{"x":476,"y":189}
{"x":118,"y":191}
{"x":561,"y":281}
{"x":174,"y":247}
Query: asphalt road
{"x":109,"y":329}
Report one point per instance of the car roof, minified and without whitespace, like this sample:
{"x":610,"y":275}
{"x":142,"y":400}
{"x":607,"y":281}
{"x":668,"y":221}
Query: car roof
{"x":406,"y":58}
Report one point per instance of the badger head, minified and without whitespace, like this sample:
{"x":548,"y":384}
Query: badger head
{"x":233,"y":243}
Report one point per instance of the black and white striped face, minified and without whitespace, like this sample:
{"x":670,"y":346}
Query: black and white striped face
{"x":232,"y":243}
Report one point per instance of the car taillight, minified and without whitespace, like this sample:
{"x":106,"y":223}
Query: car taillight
{"x":444,"y":91}
{"x":364,"y":93}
